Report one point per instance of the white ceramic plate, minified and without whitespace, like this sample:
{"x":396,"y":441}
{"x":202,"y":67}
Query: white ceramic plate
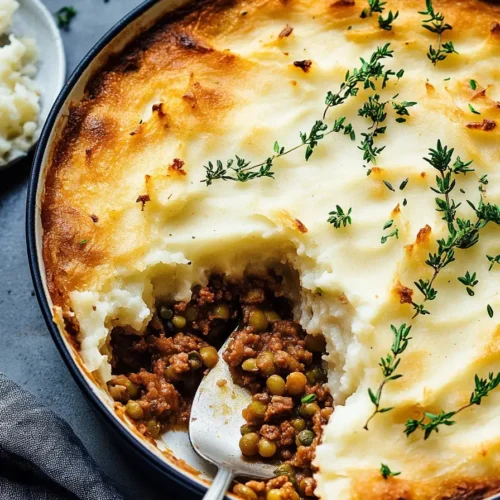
{"x":33,"y":20}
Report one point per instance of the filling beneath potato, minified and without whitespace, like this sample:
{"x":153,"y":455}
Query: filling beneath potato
{"x":155,"y":375}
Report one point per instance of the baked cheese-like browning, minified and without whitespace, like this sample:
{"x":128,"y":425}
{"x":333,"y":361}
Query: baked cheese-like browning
{"x":127,"y":218}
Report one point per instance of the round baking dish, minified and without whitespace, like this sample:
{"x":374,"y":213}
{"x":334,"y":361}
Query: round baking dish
{"x":176,"y":461}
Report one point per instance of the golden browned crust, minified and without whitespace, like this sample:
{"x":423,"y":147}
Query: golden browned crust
{"x":394,"y":488}
{"x":104,"y":128}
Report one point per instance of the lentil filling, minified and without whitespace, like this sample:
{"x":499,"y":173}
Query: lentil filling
{"x":156,"y":374}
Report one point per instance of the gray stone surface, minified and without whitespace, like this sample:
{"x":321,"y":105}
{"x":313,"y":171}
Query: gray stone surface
{"x":27,"y":353}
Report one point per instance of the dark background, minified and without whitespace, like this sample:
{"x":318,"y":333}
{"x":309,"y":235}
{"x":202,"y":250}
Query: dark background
{"x":27,"y":353}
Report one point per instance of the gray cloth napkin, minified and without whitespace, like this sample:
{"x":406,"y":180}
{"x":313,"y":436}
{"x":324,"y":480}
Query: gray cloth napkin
{"x":40,"y":456}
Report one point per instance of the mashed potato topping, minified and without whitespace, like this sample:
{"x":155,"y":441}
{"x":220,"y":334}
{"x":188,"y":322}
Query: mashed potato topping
{"x":19,"y":95}
{"x":124,"y":224}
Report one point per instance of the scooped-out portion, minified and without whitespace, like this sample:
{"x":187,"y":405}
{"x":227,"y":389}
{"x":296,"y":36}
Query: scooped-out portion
{"x":155,"y":375}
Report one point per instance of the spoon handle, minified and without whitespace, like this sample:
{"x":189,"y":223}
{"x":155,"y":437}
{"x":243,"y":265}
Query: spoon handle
{"x":220,"y":484}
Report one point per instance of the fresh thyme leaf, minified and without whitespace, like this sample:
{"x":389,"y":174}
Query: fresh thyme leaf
{"x":386,"y":472}
{"x":430,"y":422}
{"x":364,"y":76}
{"x":373,"y":6}
{"x":402,"y":109}
{"x":64,"y":16}
{"x":473,"y":110}
{"x":394,"y":233}
{"x":315,"y":135}
{"x":389,"y":185}
{"x":490,"y":312}
{"x":388,"y":366}
{"x":309,"y":398}
{"x":340,"y":218}
{"x":484,"y":179}
{"x":473,"y":84}
{"x":405,"y":202}
{"x":403,"y":184}
{"x":374,"y":110}
{"x":83,"y":242}
{"x":493,"y":261}
{"x":386,"y":23}
{"x":469,"y":281}
{"x":435,"y":24}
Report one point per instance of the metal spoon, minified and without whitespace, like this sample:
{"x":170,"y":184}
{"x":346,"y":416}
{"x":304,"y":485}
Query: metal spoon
{"x":214,"y":429}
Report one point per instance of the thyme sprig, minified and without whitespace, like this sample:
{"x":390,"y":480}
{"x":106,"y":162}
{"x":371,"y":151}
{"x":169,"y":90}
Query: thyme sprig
{"x":374,"y":110}
{"x":64,"y":16}
{"x":388,"y":366}
{"x":376,"y":6}
{"x":435,"y":24}
{"x":373,"y":6}
{"x":469,"y":281}
{"x":364,"y":76}
{"x":430,"y":422}
{"x":386,"y":472}
{"x":393,"y":233}
{"x":339,"y":217}
{"x":493,"y":260}
{"x":462,"y":233}
{"x":239,"y":169}
{"x":462,"y":236}
{"x":386,"y":23}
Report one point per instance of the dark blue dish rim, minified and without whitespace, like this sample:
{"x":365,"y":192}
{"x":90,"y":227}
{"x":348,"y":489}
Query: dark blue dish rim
{"x":31,"y":218}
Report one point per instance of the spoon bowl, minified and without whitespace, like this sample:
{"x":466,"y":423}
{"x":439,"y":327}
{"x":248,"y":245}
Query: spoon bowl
{"x":214,"y":428}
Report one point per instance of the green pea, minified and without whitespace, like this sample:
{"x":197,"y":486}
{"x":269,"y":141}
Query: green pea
{"x":258,"y":320}
{"x":299,"y":424}
{"x":307,"y":410}
{"x":166,"y":312}
{"x":250,"y":365}
{"x":272,"y":316}
{"x":276,"y":385}
{"x":221,"y":311}
{"x":209,"y":356}
{"x":244,"y":492}
{"x":154,"y":427}
{"x":257,"y":409}
{"x":266,"y":448}
{"x":134,"y":410}
{"x":246,"y":429}
{"x":274,"y":494}
{"x":249,"y":444}
{"x":190,"y":313}
{"x":194,"y":360}
{"x":179,"y":321}
{"x":314,"y":375}
{"x":305,"y":438}
{"x":170,"y":373}
{"x":284,"y":470}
